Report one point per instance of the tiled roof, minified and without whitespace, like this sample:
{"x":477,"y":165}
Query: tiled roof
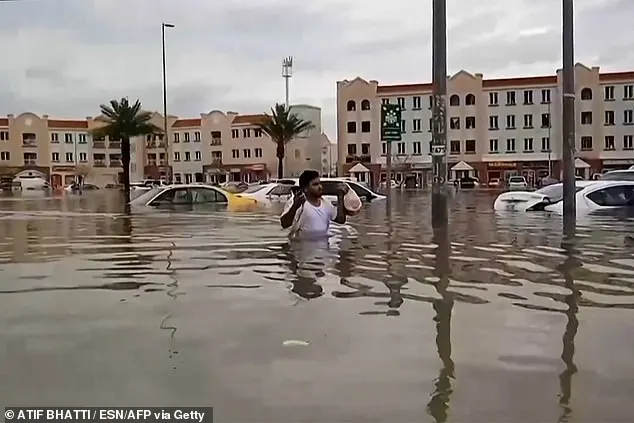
{"x":187,"y":123}
{"x":68,"y":124}
{"x":247,"y":119}
{"x":4,"y":122}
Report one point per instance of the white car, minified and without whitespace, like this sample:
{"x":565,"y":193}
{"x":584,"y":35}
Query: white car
{"x":590,"y":196}
{"x":618,"y":175}
{"x":517,"y":183}
{"x":280,"y":192}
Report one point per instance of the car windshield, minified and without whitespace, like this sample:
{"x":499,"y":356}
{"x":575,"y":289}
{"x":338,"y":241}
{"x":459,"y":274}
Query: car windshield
{"x":516,"y":179}
{"x":146,"y":195}
{"x":254,"y":188}
{"x":555,"y":192}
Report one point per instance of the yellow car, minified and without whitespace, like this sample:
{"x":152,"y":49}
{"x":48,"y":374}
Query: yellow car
{"x":191,"y":195}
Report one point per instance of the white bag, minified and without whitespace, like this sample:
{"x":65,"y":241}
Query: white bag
{"x":352,"y":203}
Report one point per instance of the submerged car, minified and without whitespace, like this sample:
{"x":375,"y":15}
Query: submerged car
{"x":188,"y":195}
{"x":517,"y":183}
{"x":618,"y":175}
{"x":590,"y":196}
{"x":281,"y":191}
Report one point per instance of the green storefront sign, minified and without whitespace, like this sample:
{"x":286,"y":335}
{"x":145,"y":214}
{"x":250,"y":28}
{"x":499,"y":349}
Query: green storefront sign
{"x":390,"y":122}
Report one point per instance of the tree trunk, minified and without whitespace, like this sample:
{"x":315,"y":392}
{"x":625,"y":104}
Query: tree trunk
{"x":280,"y":160}
{"x":125,"y":162}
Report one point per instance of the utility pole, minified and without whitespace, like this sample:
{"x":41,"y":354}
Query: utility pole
{"x":168,"y":175}
{"x":568,"y":117}
{"x":550,"y":125}
{"x":439,"y":194}
{"x":287,"y":74}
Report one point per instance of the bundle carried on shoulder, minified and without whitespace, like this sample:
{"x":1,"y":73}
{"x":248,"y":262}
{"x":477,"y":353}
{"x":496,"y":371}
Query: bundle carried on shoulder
{"x":352,"y":203}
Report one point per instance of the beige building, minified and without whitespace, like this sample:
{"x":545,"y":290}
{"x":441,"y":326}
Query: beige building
{"x":328,"y":156}
{"x":213,"y":148}
{"x":495,"y":127}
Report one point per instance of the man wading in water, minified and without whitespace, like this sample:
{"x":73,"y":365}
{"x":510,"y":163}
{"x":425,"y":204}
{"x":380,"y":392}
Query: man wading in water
{"x":309,"y":214}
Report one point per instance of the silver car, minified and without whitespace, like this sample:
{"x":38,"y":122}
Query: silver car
{"x":517,"y":183}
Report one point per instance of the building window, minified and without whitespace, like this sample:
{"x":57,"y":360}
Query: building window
{"x":68,"y":138}
{"x":54,"y":138}
{"x":257,"y":133}
{"x":82,"y":138}
{"x":528,"y":145}
{"x":197,"y":136}
{"x":470,"y":146}
{"x":586,"y":118}
{"x":55,"y":157}
{"x":83,"y":157}
{"x":69,"y":157}
{"x":510,"y":98}
{"x":246,"y":153}
{"x":528,"y":97}
{"x":246,"y":132}
{"x":627,"y":117}
{"x":528,"y":121}
{"x":609,"y":142}
{"x":177,"y":137}
{"x":417,"y":148}
{"x":493,"y":99}
{"x":609,"y":93}
{"x":628,"y":143}
{"x":493,"y":145}
{"x":351,"y":106}
{"x":258,"y":152}
{"x":454,"y":123}
{"x":352,"y":149}
{"x":400,"y":148}
{"x":454,"y":100}
{"x":177,"y":156}
{"x":235,"y":133}
{"x":470,"y":122}
{"x":586,"y":94}
{"x":365,"y":105}
{"x":628,"y":92}
{"x":5,"y":156}
{"x":403,"y":127}
{"x":454,"y":146}
{"x":470,"y":100}
{"x":545,"y":144}
{"x":609,"y":117}
{"x":545,"y":120}
{"x":545,"y":96}
{"x":235,"y":153}
{"x":401,"y":102}
{"x":186,"y":135}
{"x":197,"y":156}
{"x":510,"y":145}
{"x":188,"y":156}
{"x":510,"y":121}
{"x":365,"y":126}
{"x":493,"y":123}
{"x":385,"y":101}
{"x":416,"y":125}
{"x":416,"y":103}
{"x":4,"y":135}
{"x":586,"y":143}
{"x":384,"y":148}
{"x":352,"y":127}
{"x":365,"y":149}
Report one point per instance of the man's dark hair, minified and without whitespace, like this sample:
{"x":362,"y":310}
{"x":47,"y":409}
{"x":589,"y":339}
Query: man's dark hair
{"x":306,"y":177}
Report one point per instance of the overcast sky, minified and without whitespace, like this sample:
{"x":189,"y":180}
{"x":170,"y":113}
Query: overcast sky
{"x":65,"y":57}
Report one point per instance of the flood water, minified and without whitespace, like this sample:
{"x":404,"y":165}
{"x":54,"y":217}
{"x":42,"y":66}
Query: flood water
{"x":193,"y":308}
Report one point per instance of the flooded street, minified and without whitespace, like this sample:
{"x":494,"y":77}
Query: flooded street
{"x":193,"y":309}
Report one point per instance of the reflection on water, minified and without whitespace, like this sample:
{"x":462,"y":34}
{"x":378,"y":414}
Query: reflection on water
{"x":165,"y":307}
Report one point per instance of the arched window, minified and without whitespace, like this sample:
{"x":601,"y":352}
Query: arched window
{"x":470,"y":100}
{"x":454,"y":100}
{"x":365,"y":105}
{"x":352,"y":106}
{"x":586,"y":94}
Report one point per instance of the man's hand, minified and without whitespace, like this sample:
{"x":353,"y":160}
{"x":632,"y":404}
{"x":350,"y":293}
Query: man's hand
{"x":342,"y":189}
{"x":298,"y":199}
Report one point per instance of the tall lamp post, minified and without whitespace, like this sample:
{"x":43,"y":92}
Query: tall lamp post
{"x":568,"y":116}
{"x":165,"y":134}
{"x":287,"y":74}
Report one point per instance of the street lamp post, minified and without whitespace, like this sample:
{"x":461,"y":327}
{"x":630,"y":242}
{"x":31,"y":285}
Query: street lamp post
{"x":165,"y":134}
{"x":568,"y":116}
{"x":550,"y":125}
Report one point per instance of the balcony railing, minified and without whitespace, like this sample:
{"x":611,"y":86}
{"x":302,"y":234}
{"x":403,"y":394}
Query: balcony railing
{"x":216,"y":162}
{"x":98,"y":144}
{"x":30,"y":162}
{"x":115,"y":145}
{"x":150,"y":144}
{"x":115,"y":163}
{"x":216,"y":141}
{"x":99,"y":163}
{"x":29,"y":143}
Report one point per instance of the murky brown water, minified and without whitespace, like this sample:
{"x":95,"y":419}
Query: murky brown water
{"x":193,"y":308}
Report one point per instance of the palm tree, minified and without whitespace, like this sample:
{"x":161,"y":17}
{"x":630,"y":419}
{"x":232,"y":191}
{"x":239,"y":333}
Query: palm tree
{"x":282,"y":126}
{"x":124,"y":121}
